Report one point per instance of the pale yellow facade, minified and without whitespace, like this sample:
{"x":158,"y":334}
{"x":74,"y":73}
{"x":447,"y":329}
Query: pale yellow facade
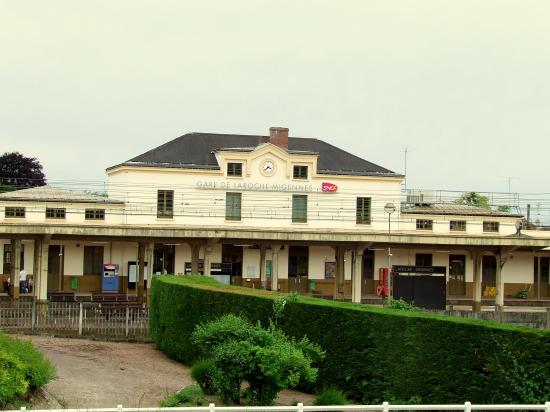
{"x":266,"y":213}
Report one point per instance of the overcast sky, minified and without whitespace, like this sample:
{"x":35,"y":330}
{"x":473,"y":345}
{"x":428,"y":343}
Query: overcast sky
{"x":465,"y":85}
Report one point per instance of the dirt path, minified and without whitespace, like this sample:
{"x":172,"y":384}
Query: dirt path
{"x":106,"y":374}
{"x":94,"y":374}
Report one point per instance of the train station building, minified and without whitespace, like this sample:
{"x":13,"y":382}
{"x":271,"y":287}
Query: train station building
{"x":284,"y":213}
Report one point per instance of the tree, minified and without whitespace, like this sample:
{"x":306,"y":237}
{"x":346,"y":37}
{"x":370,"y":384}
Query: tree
{"x":266,"y":359}
{"x":473,"y":199}
{"x":20,"y":172}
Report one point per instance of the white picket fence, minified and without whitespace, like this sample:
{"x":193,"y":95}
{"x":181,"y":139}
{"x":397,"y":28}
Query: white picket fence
{"x":76,"y":318}
{"x":385,"y":407}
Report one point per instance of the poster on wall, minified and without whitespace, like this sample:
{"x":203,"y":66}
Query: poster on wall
{"x":133,"y":272}
{"x":330,"y":270}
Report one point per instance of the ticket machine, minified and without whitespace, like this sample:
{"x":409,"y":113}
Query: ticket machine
{"x":109,"y":282}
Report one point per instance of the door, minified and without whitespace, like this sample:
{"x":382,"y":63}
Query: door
{"x":542,"y":276}
{"x":164,"y":259}
{"x":298,"y":267}
{"x":232,"y":263}
{"x":457,"y":275}
{"x":369,"y":286}
{"x":55,"y":268}
{"x":488,"y":276}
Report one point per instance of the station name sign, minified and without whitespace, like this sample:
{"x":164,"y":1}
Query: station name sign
{"x":265,"y":187}
{"x":431,"y":270}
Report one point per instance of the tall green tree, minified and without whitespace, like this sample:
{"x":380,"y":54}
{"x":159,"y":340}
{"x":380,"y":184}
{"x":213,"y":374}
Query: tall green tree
{"x":20,"y":172}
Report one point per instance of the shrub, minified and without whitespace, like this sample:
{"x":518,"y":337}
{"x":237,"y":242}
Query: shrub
{"x":203,"y":372}
{"x":330,"y":396}
{"x":265,"y":358}
{"x":400,"y":304}
{"x":12,"y":378}
{"x":372,"y":352}
{"x":22,"y":369}
{"x":38,"y":370}
{"x":189,"y":396}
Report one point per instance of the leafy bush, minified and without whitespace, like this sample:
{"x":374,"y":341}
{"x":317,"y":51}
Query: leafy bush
{"x":203,"y":372}
{"x":373,"y":352}
{"x":330,"y":396}
{"x":12,"y":378}
{"x":22,"y":369}
{"x":189,"y":396}
{"x":264,"y":358}
{"x":400,"y":304}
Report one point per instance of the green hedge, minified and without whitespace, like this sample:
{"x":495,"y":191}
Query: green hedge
{"x":374,"y":354}
{"x":23,"y":369}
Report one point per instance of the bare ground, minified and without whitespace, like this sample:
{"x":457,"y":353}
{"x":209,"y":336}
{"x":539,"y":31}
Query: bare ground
{"x":96,"y":374}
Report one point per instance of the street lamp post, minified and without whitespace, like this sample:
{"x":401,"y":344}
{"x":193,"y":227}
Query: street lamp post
{"x":389,"y":209}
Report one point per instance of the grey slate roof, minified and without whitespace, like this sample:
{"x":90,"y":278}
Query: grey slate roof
{"x":54,"y":194}
{"x":196,"y":150}
{"x":454,"y":209}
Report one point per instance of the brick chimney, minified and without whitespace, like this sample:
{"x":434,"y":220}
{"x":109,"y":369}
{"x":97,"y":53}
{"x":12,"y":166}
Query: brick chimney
{"x":279,"y":136}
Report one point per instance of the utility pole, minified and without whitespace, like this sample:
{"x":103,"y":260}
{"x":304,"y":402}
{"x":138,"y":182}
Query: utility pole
{"x":405,"y":173}
{"x":509,"y":179}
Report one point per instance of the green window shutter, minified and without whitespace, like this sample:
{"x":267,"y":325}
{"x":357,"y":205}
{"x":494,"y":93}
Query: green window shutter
{"x":165,"y":203}
{"x":363,"y":210}
{"x":233,"y":206}
{"x":299,"y":208}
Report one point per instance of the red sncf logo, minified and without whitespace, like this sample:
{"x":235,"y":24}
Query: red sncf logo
{"x":329,"y":187}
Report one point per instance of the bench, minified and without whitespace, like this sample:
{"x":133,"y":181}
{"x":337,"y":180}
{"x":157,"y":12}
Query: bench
{"x":61,"y":297}
{"x":110,"y":297}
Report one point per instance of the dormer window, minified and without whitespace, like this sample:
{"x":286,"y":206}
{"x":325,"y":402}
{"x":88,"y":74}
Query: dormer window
{"x":234,"y":169}
{"x":300,"y":172}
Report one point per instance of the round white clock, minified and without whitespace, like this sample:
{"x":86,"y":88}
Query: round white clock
{"x":267,"y":168}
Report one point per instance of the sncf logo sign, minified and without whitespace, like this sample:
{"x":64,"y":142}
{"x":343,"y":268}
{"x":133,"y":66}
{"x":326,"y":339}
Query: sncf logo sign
{"x":329,"y":187}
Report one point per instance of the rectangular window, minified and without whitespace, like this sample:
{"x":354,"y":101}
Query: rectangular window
{"x":233,"y":206}
{"x":491,"y":227}
{"x":423,"y":259}
{"x":7,"y":259}
{"x":95,"y":214}
{"x":15,"y":211}
{"x":165,"y":203}
{"x":363,"y":210}
{"x":300,"y":172}
{"x":424,"y":224}
{"x":93,"y":260}
{"x":55,"y":213}
{"x":235,"y":169}
{"x":299,"y":208}
{"x":458,"y":226}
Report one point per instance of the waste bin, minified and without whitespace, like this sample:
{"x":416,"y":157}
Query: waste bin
{"x":312,"y":285}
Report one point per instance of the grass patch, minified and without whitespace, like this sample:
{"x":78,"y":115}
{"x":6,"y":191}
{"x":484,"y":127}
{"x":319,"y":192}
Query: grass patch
{"x":189,"y":396}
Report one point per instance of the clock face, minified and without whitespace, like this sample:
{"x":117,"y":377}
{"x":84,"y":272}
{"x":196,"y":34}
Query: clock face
{"x":267,"y":168}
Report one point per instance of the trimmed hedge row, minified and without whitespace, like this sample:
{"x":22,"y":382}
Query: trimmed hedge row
{"x":374,"y":354}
